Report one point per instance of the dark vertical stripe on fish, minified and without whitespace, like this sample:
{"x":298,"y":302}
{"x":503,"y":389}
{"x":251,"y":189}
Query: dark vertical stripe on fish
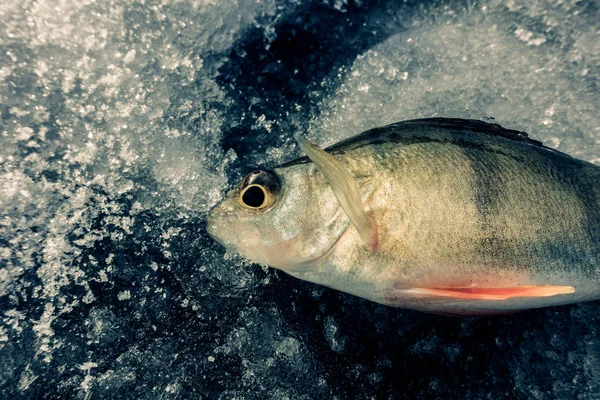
{"x":587,"y":186}
{"x":488,"y":187}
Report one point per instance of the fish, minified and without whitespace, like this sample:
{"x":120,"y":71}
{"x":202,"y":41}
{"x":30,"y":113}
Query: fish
{"x":441,"y":215}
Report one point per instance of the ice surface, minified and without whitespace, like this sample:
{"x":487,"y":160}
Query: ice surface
{"x":521,"y":66}
{"x":121,"y":124}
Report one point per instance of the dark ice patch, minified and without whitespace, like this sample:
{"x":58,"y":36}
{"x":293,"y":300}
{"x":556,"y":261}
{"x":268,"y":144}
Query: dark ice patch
{"x":283,"y":76}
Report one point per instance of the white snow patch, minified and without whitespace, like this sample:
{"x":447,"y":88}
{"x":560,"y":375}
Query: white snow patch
{"x":124,"y":295}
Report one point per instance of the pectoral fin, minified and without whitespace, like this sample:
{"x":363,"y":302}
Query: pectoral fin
{"x":498,"y":294}
{"x":345,"y":189}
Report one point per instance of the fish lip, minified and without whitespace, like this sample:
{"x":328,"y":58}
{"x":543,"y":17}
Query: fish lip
{"x":211,"y":226}
{"x":221,"y":211}
{"x":210,"y":218}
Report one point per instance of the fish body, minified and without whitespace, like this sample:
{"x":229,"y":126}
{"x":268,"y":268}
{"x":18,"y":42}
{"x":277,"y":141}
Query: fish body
{"x":463,"y":217}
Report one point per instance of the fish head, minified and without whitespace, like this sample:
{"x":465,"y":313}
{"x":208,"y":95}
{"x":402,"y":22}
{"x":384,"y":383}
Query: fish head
{"x":288,"y":218}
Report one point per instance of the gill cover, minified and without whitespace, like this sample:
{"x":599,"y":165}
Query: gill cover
{"x":345,"y":189}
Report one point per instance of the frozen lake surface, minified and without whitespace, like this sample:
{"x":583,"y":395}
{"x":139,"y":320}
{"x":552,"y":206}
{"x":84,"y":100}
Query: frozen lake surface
{"x":123,"y":122}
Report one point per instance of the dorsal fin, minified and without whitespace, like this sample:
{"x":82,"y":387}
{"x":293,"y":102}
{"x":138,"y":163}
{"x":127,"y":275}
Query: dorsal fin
{"x":385,"y":133}
{"x":476,"y":125}
{"x":405,"y":132}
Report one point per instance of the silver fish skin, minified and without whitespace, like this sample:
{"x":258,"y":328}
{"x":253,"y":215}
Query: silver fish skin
{"x":469,"y":218}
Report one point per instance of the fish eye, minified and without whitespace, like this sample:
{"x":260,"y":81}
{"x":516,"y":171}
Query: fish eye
{"x":254,"y":196}
{"x":259,"y":190}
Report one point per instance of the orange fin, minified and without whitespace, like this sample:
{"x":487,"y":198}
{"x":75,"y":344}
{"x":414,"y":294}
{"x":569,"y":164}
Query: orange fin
{"x":502,"y":293}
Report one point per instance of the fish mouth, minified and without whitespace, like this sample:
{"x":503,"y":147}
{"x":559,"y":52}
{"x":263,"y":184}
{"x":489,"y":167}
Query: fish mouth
{"x":211,"y":227}
{"x":216,"y":224}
